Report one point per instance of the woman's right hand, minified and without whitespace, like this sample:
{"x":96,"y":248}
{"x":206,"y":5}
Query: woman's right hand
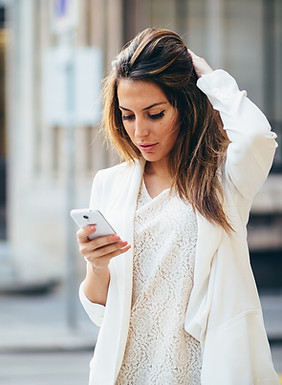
{"x":99,"y":251}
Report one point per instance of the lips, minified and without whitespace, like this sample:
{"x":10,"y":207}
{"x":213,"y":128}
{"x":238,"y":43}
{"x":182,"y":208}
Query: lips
{"x":147,"y":147}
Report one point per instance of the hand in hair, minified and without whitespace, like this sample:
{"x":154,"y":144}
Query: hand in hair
{"x":200,"y":65}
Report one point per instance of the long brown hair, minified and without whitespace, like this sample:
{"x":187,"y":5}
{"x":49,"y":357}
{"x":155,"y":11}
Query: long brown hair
{"x":197,"y":159}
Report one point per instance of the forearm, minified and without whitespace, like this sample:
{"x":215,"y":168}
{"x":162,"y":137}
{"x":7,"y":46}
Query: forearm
{"x":96,"y":284}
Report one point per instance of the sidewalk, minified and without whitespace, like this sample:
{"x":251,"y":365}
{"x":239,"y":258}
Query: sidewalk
{"x":34,"y":315}
{"x":40,"y":323}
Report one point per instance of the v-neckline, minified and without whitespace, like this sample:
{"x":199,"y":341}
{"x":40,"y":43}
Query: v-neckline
{"x":143,"y":185}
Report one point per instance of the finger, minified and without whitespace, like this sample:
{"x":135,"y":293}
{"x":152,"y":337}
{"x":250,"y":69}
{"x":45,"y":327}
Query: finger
{"x":118,"y":252}
{"x":193,"y":55}
{"x":101,"y":246}
{"x":83,"y":233}
{"x":102,"y":261}
{"x":201,"y":67}
{"x":104,"y":241}
{"x":108,"y":249}
{"x":87,"y":249}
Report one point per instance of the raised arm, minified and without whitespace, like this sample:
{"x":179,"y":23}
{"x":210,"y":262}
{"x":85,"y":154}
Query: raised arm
{"x":251,"y":151}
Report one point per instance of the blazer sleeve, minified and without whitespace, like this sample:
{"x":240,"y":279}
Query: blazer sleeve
{"x":252,"y":144}
{"x":95,"y":311}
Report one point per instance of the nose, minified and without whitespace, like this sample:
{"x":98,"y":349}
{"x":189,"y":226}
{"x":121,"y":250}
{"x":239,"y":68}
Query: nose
{"x":141,"y":128}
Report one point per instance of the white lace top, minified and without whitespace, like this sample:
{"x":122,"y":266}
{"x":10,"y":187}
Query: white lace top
{"x":159,"y":351}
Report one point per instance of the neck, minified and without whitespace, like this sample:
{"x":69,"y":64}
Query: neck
{"x":157,"y":169}
{"x":156,"y":179}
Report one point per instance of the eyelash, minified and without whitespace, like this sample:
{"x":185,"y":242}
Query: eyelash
{"x":157,"y":116}
{"x":127,"y":117}
{"x":153,"y":117}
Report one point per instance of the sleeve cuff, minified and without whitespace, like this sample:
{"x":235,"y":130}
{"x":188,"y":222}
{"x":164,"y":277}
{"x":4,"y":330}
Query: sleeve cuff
{"x":95,"y":311}
{"x":220,"y":88}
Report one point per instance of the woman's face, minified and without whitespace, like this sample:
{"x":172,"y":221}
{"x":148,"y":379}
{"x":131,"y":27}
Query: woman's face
{"x":148,"y":118}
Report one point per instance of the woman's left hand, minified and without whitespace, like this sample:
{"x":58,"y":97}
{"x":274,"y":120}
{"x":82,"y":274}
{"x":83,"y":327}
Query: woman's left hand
{"x":200,"y":65}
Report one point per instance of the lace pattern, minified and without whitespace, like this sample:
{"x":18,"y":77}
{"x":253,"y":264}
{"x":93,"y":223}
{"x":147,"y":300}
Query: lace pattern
{"x":159,"y":351}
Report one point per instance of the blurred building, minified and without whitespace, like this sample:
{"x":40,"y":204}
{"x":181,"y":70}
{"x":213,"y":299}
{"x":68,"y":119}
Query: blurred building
{"x":40,"y":99}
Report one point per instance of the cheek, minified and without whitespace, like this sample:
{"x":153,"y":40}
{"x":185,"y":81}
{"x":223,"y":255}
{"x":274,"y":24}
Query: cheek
{"x":127,"y":129}
{"x":171,"y":136}
{"x":170,"y":129}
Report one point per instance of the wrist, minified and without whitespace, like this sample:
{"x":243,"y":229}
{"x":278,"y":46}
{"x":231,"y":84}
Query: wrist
{"x":99,"y":269}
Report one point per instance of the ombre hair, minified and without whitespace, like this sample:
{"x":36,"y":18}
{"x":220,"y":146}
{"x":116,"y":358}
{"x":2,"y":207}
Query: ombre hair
{"x":197,"y":159}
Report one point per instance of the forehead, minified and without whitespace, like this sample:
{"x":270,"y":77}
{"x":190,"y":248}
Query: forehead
{"x":139,"y":93}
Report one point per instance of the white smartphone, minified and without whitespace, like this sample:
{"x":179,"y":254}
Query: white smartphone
{"x":85,"y":217}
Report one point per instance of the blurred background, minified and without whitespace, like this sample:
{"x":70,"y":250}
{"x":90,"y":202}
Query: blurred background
{"x":53,"y":57}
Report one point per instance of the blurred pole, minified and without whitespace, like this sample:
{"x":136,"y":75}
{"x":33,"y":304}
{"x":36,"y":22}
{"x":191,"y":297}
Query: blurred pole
{"x":64,"y":21}
{"x":214,"y":32}
{"x":181,"y":16}
{"x":105,"y":38}
{"x":70,"y":183}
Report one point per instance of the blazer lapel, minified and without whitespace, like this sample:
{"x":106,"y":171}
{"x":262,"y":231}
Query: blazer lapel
{"x":209,"y":238}
{"x":130,"y":193}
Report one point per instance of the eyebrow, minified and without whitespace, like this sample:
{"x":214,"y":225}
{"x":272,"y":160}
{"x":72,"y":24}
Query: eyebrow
{"x":146,"y":108}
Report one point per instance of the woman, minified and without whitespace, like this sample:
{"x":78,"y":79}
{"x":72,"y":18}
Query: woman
{"x":173,"y":292}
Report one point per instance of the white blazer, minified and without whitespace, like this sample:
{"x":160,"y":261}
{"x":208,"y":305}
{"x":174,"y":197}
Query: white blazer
{"x":224,"y":311}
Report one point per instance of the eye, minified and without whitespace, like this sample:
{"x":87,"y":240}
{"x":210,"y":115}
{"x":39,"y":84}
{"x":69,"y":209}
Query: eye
{"x":127,"y":117}
{"x":157,"y":116}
